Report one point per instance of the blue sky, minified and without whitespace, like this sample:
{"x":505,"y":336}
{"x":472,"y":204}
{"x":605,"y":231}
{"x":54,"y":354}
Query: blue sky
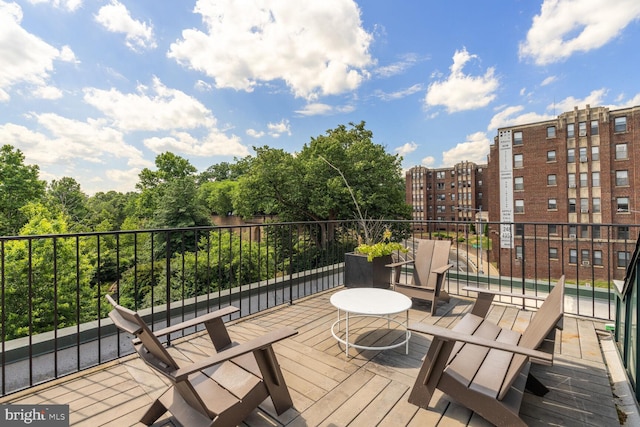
{"x":95,"y":90}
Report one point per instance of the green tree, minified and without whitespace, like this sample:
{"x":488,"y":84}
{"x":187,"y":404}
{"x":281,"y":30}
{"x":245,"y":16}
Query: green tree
{"x":19,"y":185}
{"x":107,"y":211}
{"x":41,"y":278}
{"x":217,"y":197}
{"x":66,"y":196}
{"x":305,"y":187}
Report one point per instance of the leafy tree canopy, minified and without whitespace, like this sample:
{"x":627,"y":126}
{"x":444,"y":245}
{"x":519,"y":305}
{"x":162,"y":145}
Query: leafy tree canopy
{"x":19,"y":185}
{"x":308,"y":186}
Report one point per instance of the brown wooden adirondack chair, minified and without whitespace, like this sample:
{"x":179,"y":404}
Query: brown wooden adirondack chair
{"x":430,"y":265}
{"x":485,"y":367}
{"x":220,"y":390}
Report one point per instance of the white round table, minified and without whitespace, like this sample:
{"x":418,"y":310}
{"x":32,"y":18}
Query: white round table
{"x":370,"y":302}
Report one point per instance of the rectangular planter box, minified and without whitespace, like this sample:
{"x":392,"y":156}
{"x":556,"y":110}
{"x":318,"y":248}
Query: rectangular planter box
{"x":360,"y":273}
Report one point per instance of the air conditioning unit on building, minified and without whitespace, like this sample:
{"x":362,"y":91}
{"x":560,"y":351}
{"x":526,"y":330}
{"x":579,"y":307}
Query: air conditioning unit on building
{"x":585,"y":263}
{"x":583,"y":159}
{"x":584,"y":210}
{"x":583,"y":132}
{"x":572,"y":236}
{"x":572,"y":186}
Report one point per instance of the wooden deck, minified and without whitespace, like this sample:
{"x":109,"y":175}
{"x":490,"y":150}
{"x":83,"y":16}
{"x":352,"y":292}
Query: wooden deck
{"x":370,"y":388}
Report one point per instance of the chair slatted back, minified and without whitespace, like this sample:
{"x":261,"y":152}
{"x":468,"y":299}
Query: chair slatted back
{"x":543,"y":322}
{"x":131,"y":322}
{"x":430,"y":254}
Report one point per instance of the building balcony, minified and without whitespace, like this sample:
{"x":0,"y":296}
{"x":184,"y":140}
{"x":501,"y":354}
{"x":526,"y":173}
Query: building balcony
{"x":58,"y":346}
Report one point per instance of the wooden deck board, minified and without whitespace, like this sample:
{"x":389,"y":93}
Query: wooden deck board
{"x":368,"y":388}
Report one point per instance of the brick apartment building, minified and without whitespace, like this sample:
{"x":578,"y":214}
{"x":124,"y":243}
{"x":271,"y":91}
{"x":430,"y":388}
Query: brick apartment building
{"x":446,"y":194}
{"x":567,"y":187}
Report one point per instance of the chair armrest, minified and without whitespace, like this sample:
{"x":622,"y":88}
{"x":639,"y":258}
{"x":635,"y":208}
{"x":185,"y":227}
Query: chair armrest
{"x":540,"y":357}
{"x":442,"y":270}
{"x":196,"y":321}
{"x":502,"y":293}
{"x":235,"y":351}
{"x":399,"y":263}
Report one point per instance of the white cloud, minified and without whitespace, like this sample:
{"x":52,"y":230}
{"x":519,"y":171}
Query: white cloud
{"x":254,"y":133}
{"x":474,"y":149}
{"x":399,"y":94}
{"x":115,"y":17}
{"x":214,"y":144}
{"x":277,"y":129}
{"x":509,"y":117}
{"x":70,"y":5}
{"x":428,"y":161}
{"x":316,"y":48}
{"x":203,"y":86}
{"x":320,"y":109}
{"x":47,"y":92}
{"x":565,"y":27}
{"x":396,"y":68}
{"x":595,"y":98}
{"x":66,"y":140}
{"x":25,"y":58}
{"x":549,"y":80}
{"x":460,"y":91}
{"x":622,"y":103}
{"x":407,"y":148}
{"x":155,"y":108}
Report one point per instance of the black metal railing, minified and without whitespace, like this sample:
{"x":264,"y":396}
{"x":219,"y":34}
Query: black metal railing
{"x":54,"y":314}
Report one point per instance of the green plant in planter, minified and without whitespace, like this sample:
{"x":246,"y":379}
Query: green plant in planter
{"x":382,"y":248}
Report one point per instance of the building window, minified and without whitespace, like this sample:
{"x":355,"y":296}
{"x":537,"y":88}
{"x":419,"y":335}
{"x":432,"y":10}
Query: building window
{"x":584,"y":256}
{"x":519,"y":252}
{"x":571,"y":130}
{"x":597,"y":257}
{"x":517,"y":138}
{"x":551,"y":132}
{"x":571,"y":180}
{"x":572,"y":231}
{"x":582,"y":129}
{"x":552,"y":204}
{"x":551,"y":156}
{"x":479,"y":183}
{"x":519,"y":206}
{"x":622,"y":204}
{"x":595,"y":153}
{"x":552,"y":179}
{"x":623,"y":259}
{"x":584,"y":231}
{"x":622,"y":178}
{"x":595,"y":203}
{"x":479,"y":195}
{"x":594,"y":127}
{"x":518,"y":161}
{"x":518,"y":183}
{"x":623,"y":233}
{"x":595,"y":232}
{"x":584,"y":205}
{"x":553,"y":229}
{"x":583,"y":155}
{"x":571,"y":155}
{"x":595,"y":179}
{"x":553,"y":253}
{"x":573,"y":256}
{"x":440,"y":175}
{"x":519,"y":229}
{"x":621,"y":151}
{"x":620,"y":124}
{"x":572,"y":205}
{"x":584,"y":181}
